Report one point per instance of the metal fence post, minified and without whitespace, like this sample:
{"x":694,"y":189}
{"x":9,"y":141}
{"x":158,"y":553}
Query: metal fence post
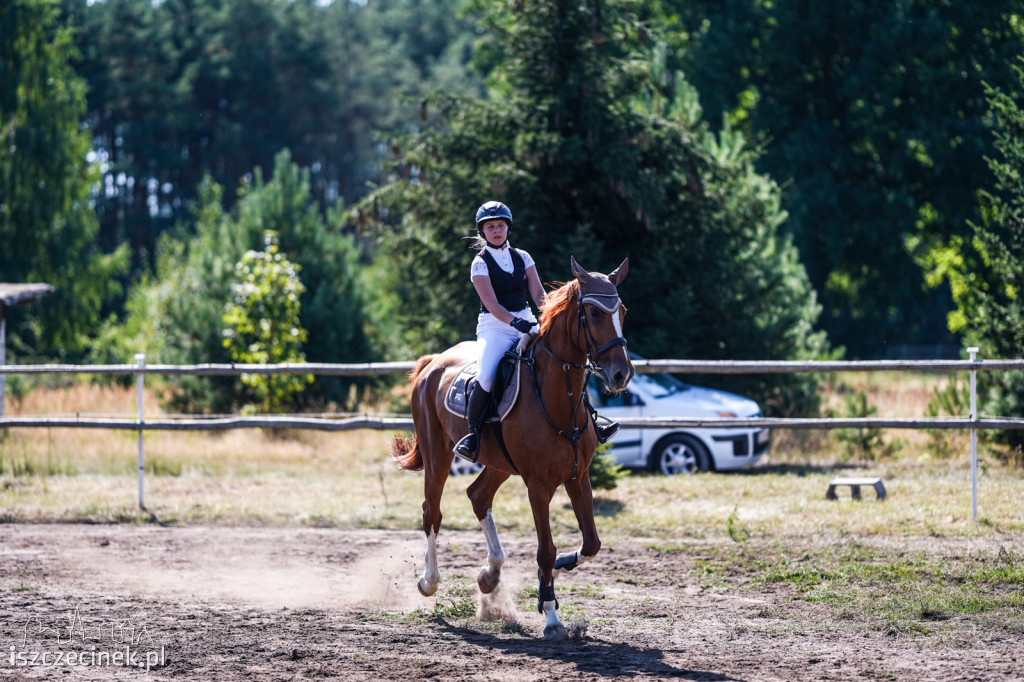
{"x":3,"y":357}
{"x":974,"y":435}
{"x":140,"y":359}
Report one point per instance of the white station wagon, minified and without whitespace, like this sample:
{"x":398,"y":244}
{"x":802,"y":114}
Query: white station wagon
{"x":680,"y":450}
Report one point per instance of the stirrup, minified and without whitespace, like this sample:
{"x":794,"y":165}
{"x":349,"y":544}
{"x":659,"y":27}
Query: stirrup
{"x":468,"y":447}
{"x":605,"y":428}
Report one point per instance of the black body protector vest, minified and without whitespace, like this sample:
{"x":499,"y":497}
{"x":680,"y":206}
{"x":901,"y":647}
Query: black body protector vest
{"x":509,"y":287}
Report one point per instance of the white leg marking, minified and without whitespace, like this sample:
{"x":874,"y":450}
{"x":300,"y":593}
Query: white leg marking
{"x":495,"y":555}
{"x":431,"y":576}
{"x":553,"y":628}
{"x":490,"y":575}
{"x":550,"y":615}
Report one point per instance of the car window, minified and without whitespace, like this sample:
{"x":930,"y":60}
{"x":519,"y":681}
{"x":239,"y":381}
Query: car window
{"x":659,"y":385}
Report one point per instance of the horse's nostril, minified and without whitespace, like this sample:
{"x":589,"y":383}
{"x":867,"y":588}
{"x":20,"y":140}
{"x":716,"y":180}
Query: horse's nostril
{"x":618,"y":378}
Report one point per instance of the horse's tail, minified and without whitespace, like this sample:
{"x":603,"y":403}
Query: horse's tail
{"x":417,"y":369}
{"x":404,"y":450}
{"x":406,"y":453}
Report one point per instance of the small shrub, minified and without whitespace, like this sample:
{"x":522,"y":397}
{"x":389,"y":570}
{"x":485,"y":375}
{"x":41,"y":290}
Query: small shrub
{"x":262,"y":325}
{"x":736,"y":533}
{"x":604,"y":471}
{"x":953,"y":400}
{"x":863,"y":442}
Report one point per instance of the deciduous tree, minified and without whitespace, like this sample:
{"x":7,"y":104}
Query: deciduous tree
{"x":47,"y":223}
{"x":872,"y":117}
{"x":571,"y":140}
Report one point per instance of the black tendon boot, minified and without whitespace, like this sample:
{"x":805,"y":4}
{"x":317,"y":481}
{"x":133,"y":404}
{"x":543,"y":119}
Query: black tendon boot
{"x":476,"y":410}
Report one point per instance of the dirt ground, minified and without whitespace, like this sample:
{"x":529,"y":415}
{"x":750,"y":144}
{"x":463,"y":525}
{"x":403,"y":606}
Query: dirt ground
{"x":221,"y":603}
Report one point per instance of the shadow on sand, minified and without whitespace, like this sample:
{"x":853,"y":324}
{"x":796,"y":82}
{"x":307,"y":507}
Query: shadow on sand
{"x":588,"y":655}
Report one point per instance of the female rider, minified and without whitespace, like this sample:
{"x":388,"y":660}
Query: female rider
{"x":502,"y":276}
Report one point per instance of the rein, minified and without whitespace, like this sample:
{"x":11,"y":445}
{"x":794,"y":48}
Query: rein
{"x":589,"y":368}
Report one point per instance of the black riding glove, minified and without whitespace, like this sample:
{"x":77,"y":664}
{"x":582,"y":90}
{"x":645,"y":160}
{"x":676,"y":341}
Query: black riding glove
{"x":521,"y":325}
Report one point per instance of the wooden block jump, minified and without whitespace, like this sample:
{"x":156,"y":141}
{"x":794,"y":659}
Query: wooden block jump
{"x":855,"y":484}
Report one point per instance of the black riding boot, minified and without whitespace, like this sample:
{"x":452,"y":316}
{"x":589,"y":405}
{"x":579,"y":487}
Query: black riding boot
{"x":476,"y":410}
{"x":605,"y":428}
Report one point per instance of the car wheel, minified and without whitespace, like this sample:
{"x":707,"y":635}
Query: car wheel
{"x":679,"y":454}
{"x":461,"y":467}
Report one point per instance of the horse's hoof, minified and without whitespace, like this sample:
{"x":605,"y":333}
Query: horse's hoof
{"x":426,"y":588}
{"x":488,"y":580}
{"x":554,"y":633}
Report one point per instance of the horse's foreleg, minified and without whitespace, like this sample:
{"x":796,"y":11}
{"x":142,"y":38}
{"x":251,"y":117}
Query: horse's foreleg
{"x":581,"y":496}
{"x":540,"y":501}
{"x":481,"y":494}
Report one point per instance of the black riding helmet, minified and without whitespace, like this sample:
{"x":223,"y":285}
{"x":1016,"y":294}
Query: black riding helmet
{"x":492,"y":210}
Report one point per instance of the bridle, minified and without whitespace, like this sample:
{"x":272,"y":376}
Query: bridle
{"x":610,"y":303}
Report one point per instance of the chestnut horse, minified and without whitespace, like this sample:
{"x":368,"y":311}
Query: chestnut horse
{"x":548,"y":434}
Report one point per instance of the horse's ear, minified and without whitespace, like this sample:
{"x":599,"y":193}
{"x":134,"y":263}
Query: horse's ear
{"x":619,"y":273}
{"x":578,"y":272}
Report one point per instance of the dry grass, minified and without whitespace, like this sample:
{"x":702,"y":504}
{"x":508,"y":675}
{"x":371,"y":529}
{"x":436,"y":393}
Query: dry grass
{"x":915,"y":565}
{"x":346,"y":480}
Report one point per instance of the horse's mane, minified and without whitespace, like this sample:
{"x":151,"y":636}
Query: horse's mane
{"x":558,"y":301}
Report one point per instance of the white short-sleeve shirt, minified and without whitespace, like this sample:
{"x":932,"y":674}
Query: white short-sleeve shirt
{"x":503,"y":257}
{"x":488,"y":324}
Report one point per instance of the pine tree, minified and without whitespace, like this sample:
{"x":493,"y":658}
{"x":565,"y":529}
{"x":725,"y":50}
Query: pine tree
{"x":596,"y":160}
{"x":987,"y":273}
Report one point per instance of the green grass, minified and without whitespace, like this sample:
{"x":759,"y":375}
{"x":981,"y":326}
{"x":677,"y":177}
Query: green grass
{"x":880,"y":587}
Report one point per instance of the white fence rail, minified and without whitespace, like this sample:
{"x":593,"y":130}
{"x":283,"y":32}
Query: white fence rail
{"x":642,"y":366}
{"x":140,"y":424}
{"x":391,"y":423}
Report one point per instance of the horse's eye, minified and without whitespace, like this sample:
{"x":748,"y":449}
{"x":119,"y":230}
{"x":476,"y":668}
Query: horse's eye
{"x":595,"y":313}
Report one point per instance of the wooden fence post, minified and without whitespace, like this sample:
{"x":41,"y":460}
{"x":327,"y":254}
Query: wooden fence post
{"x":3,"y":356}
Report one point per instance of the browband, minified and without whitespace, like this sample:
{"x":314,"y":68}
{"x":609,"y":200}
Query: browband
{"x":606,"y":302}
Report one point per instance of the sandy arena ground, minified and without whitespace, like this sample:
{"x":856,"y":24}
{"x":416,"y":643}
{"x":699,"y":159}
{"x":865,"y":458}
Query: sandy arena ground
{"x":218,"y":603}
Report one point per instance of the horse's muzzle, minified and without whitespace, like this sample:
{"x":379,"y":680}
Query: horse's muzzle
{"x":617,"y":375}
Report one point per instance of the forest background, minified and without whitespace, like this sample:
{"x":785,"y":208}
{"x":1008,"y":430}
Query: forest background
{"x":272,"y":180}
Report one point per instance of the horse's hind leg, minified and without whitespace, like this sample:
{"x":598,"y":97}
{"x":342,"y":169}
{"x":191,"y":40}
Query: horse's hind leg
{"x":481,"y":494}
{"x":427,"y":583}
{"x":433,"y":486}
{"x":436,"y":460}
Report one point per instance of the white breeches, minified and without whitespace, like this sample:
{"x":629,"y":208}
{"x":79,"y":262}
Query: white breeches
{"x":494,"y":338}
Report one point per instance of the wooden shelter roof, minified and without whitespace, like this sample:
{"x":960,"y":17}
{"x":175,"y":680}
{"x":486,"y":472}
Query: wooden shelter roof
{"x":18,"y":293}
